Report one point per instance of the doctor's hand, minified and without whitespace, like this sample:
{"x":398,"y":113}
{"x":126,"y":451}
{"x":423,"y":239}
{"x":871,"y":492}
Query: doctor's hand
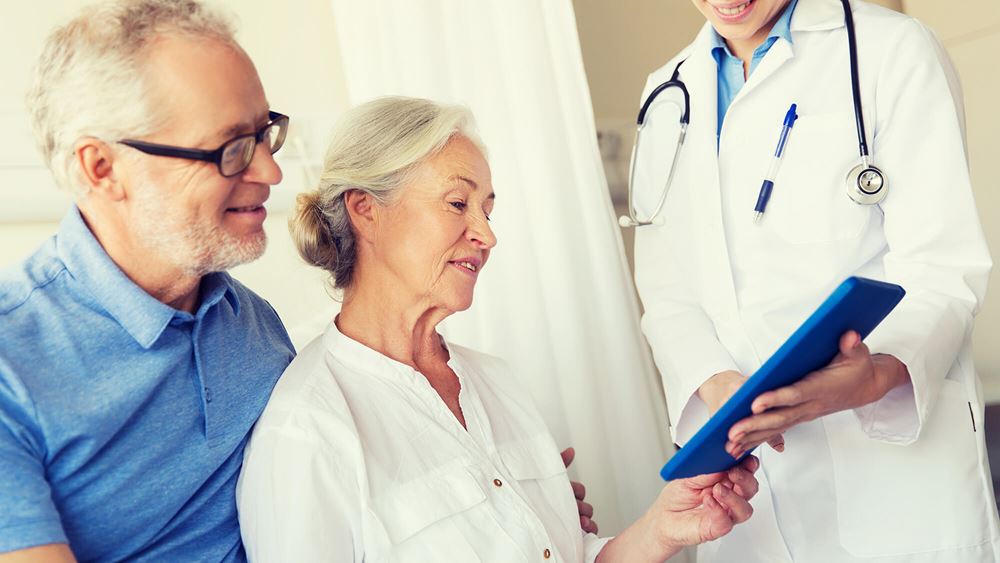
{"x":854,"y":378}
{"x":719,"y":388}
{"x":586,"y":511}
{"x":687,"y":512}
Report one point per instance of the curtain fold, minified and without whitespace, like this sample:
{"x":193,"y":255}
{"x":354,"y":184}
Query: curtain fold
{"x":556,"y":300}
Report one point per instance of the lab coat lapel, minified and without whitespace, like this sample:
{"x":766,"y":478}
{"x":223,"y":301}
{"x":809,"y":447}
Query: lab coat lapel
{"x":817,"y":15}
{"x":700,"y":73}
{"x":809,"y":16}
{"x":776,"y":56}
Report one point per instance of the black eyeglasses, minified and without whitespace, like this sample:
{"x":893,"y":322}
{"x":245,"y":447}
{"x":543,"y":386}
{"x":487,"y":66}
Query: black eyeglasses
{"x":235,"y":155}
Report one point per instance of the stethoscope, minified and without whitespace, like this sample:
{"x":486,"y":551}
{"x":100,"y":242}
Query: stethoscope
{"x":866,"y":183}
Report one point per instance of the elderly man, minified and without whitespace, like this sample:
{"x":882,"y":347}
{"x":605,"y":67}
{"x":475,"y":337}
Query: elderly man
{"x":131,"y":366}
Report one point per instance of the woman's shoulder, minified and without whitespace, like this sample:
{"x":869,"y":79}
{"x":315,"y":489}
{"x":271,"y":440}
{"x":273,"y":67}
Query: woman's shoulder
{"x":307,"y":400}
{"x":495,"y":377}
{"x":486,"y":362}
{"x":487,"y":368}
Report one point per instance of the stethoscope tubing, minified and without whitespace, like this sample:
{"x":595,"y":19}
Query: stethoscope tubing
{"x":852,"y":43}
{"x":632,"y":219}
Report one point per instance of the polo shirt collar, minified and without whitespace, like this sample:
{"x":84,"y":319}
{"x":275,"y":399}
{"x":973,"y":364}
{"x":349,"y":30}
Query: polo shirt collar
{"x":139,"y":313}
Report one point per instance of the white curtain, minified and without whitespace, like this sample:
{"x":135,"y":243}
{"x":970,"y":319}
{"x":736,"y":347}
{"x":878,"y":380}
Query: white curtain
{"x":556,"y":300}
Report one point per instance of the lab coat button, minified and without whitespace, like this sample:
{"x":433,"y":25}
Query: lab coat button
{"x":498,"y":482}
{"x":547,"y":554}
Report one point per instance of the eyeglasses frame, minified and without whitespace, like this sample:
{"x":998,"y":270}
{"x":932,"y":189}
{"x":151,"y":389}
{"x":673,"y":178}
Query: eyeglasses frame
{"x":156,"y":149}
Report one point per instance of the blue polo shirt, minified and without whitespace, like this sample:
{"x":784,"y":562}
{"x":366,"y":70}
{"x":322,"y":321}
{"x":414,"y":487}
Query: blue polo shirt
{"x":731,"y":79}
{"x":123,"y":420}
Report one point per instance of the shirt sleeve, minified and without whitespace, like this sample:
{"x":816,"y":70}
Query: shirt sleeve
{"x":28,"y":516}
{"x":297,"y":501}
{"x":936,"y":247}
{"x":592,"y":546}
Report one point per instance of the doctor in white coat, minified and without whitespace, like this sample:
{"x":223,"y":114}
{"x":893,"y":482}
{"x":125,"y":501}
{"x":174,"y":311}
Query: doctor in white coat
{"x":880,"y":457}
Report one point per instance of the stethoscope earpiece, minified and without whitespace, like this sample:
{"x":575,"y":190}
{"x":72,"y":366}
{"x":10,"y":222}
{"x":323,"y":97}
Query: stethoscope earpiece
{"x":866,"y":184}
{"x":625,"y":222}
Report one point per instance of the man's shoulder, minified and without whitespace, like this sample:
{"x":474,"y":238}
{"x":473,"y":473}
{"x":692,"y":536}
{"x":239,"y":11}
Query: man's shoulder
{"x":21,"y":282}
{"x":258,"y":309}
{"x":249,"y":298}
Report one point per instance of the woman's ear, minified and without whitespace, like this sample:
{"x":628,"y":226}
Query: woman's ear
{"x":361,"y":208}
{"x":95,"y":162}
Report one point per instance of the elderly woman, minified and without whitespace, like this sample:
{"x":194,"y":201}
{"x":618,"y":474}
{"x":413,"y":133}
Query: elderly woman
{"x":384,"y":442}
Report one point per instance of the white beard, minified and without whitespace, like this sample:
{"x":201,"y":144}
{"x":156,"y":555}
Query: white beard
{"x":196,"y":248}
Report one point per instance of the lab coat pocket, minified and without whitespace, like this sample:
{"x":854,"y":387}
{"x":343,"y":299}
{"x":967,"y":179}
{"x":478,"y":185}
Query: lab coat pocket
{"x":895,"y":500}
{"x":810,"y":204}
{"x":412,"y":509}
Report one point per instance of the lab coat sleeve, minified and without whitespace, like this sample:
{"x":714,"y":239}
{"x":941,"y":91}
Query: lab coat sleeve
{"x":680,"y":333}
{"x":297,"y":501}
{"x":936,"y":247}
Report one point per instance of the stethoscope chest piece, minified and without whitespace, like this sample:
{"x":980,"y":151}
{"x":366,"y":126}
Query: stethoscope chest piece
{"x":866,"y":184}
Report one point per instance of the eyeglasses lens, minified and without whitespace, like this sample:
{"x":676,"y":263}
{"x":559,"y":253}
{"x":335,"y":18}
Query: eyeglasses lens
{"x":236,"y":155}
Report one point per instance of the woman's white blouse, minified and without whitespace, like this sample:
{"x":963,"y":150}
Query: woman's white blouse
{"x":357,"y":458}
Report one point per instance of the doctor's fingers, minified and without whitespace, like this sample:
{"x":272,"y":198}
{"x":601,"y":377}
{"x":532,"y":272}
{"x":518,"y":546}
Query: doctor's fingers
{"x":748,"y":442}
{"x":810,"y":389}
{"x":769,"y":427}
{"x":777,"y":443}
{"x":774,"y":422}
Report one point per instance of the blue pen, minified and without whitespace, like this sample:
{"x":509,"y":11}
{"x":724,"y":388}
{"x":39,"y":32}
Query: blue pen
{"x":768,"y":185}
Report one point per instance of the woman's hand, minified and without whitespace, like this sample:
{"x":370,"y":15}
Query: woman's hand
{"x":687,"y":512}
{"x":704,"y":508}
{"x":854,"y":378}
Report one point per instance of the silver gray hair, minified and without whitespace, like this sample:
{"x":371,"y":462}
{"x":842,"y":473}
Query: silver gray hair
{"x":90,"y":79}
{"x":375,"y":146}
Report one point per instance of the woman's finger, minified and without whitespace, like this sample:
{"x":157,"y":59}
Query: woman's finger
{"x":738,"y":507}
{"x":745,"y":484}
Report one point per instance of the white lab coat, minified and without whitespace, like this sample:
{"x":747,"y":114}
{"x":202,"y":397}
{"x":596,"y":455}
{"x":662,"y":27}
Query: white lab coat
{"x":903,"y":479}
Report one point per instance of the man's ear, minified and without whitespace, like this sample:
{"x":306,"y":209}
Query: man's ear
{"x":95,"y":162}
{"x":361,"y":207}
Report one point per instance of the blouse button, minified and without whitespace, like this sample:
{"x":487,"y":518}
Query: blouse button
{"x":498,"y":482}
{"x":546,"y":554}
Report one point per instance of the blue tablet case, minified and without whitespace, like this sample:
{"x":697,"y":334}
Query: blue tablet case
{"x":858,"y":304}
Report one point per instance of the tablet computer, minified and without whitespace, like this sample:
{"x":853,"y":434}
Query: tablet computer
{"x":858,"y":304}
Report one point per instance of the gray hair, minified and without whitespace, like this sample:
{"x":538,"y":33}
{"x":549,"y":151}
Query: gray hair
{"x":90,"y":79}
{"x":375,"y":147}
